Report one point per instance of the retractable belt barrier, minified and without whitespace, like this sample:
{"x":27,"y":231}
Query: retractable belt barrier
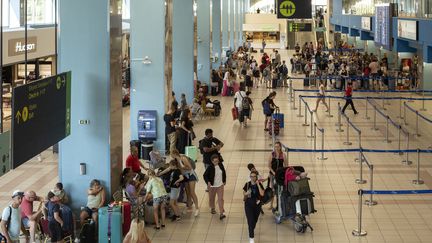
{"x":415,"y":111}
{"x":351,"y":77}
{"x":365,"y":97}
{"x":367,"y":91}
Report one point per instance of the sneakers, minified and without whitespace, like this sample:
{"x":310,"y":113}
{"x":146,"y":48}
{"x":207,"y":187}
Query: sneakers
{"x":196,"y":213}
{"x":251,"y":240}
{"x":213,"y":211}
{"x":222,"y":216}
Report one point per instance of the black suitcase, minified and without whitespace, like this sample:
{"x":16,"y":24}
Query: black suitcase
{"x":306,"y":82}
{"x":137,"y":143}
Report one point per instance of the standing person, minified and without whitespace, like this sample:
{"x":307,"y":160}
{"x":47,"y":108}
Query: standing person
{"x":263,"y":43}
{"x":247,"y":108}
{"x":283,"y":70}
{"x":29,"y":217}
{"x":176,"y":178}
{"x":133,"y":162}
{"x":248,"y":79}
{"x":238,"y":103}
{"x":156,"y":190}
{"x":268,"y":108}
{"x":55,"y":222}
{"x":277,"y":60}
{"x":170,"y":129}
{"x":11,"y":223}
{"x":348,"y":99}
{"x":209,"y":146}
{"x":276,"y":160}
{"x":185,"y":131}
{"x":215,"y":177}
{"x":321,"y":96}
{"x":253,"y":191}
{"x":191,"y":178}
{"x":267,"y":76}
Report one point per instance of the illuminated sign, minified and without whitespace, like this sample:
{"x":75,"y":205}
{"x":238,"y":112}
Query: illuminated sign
{"x":294,"y":9}
{"x":407,"y":29}
{"x":18,"y":46}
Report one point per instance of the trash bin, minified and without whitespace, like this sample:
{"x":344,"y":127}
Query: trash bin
{"x":146,"y":148}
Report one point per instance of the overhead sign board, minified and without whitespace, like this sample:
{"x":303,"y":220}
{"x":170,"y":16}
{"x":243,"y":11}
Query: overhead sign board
{"x":41,"y":116}
{"x":366,"y":23}
{"x":408,"y":29}
{"x":294,"y":9}
{"x":299,"y":27}
{"x":382,"y":30}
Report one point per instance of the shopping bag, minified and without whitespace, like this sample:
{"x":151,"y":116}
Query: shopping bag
{"x":234,"y":113}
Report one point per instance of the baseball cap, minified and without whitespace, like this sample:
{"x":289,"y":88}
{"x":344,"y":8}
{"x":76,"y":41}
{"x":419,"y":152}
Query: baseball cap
{"x":17,"y":193}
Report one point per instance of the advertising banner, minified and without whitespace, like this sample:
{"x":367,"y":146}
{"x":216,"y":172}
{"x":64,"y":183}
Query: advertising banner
{"x":407,"y":29}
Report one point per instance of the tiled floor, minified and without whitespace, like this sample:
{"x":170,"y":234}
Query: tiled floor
{"x":396,"y":218}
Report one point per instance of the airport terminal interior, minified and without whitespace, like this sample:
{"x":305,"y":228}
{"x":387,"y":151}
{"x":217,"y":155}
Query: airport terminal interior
{"x":329,"y":100}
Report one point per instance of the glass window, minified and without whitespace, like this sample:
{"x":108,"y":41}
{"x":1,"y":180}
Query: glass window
{"x":40,"y":12}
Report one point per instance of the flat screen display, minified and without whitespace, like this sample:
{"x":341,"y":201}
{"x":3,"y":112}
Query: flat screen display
{"x":383,"y":25}
{"x":407,"y":29}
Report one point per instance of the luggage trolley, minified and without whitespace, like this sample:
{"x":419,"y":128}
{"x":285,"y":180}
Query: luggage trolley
{"x":295,"y":202}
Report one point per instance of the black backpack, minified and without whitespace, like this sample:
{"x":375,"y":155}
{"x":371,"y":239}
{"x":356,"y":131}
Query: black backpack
{"x":88,"y":232}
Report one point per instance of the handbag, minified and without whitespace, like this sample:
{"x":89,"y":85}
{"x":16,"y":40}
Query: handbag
{"x":268,"y":195}
{"x":245,"y":197}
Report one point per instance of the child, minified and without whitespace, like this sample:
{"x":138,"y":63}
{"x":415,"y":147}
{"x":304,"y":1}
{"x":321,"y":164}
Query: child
{"x":155,"y":188}
{"x":252,"y":168}
{"x":60,"y":193}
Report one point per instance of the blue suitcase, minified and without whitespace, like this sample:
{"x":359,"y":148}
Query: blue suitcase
{"x":110,"y":219}
{"x":279,"y":116}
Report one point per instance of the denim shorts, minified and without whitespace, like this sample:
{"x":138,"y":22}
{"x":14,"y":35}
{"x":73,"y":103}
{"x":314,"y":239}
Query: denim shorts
{"x":159,"y":200}
{"x":175,"y":193}
{"x":26,"y":222}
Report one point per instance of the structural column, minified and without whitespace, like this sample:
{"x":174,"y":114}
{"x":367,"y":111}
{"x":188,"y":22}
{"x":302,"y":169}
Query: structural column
{"x":225,"y":25}
{"x":183,"y":48}
{"x":232,"y":27}
{"x":149,"y":88}
{"x":216,"y":33}
{"x":239,"y":22}
{"x":93,"y":53}
{"x":203,"y":21}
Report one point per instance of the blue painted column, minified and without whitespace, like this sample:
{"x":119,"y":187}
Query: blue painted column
{"x":203,"y":21}
{"x":426,"y":76}
{"x":238,"y":22}
{"x":225,"y":24}
{"x":89,"y":46}
{"x":216,"y":32}
{"x":147,"y":77}
{"x":182,"y":47}
{"x":232,"y":15}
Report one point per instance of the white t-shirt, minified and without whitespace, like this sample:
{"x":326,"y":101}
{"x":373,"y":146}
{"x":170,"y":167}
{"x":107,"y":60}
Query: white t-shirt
{"x":238,"y":95}
{"x":321,"y":89}
{"x":218,"y":177}
{"x":15,"y":224}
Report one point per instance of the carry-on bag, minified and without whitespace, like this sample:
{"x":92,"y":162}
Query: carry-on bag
{"x":110,"y":225}
{"x":279,"y":116}
{"x":127,"y":214}
{"x":299,"y":187}
{"x":234,"y":113}
{"x":275,"y":128}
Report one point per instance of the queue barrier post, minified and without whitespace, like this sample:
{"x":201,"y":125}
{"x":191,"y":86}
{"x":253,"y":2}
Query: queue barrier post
{"x":305,"y":124}
{"x":294,"y":102}
{"x":314,"y":143}
{"x":406,"y":161}
{"x":370,"y":201}
{"x":417,"y":125}
{"x":383,"y":103}
{"x":418,"y":181}
{"x":400,"y":109}
{"x":300,"y":109}
{"x":347,"y":142}
{"x":290,"y":91}
{"x":322,"y":145}
{"x":360,"y":180}
{"x":360,"y":157}
{"x":339,"y":124}
{"x":366,"y":113}
{"x":399,"y":139}
{"x":387,"y":140}
{"x":359,"y":231}
{"x":329,"y":107}
{"x":404,"y":114}
{"x":312,"y":125}
{"x":375,"y":128}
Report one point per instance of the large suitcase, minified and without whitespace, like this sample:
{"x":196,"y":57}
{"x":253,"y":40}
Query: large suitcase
{"x":110,"y":225}
{"x":88,"y":233}
{"x":149,"y":213}
{"x":191,"y":152}
{"x":306,"y":82}
{"x":127,"y":217}
{"x":299,"y":187}
{"x":279,"y":116}
{"x":276,"y":126}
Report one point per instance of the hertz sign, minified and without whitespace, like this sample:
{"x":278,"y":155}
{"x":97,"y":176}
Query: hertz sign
{"x":294,"y":9}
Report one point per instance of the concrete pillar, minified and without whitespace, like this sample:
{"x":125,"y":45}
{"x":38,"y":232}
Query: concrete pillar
{"x":216,"y":32}
{"x":183,"y":41}
{"x":203,"y":20}
{"x":93,"y":53}
{"x":149,"y":88}
{"x":225,"y":25}
{"x":232,"y":14}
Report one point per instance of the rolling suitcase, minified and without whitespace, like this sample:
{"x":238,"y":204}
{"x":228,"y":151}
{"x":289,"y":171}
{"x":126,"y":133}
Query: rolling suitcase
{"x":299,"y":187}
{"x":127,"y":214}
{"x":305,"y":205}
{"x":306,"y":82}
{"x":110,"y":225}
{"x":88,"y":233}
{"x":276,"y":126}
{"x":279,"y":116}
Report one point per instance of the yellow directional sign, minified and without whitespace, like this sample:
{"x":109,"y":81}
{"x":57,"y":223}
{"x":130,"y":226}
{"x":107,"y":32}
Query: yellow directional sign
{"x":58,"y":82}
{"x":18,"y":116}
{"x":287,"y":8}
{"x":25,"y":114}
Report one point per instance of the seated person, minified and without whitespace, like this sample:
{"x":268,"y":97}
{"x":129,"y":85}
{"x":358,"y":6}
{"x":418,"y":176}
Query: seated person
{"x":29,"y":217}
{"x":133,"y":160}
{"x":60,"y":193}
{"x":52,"y":213}
{"x":134,"y":189}
{"x":95,"y":200}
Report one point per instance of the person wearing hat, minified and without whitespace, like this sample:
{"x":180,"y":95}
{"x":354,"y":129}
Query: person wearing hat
{"x":10,"y":225}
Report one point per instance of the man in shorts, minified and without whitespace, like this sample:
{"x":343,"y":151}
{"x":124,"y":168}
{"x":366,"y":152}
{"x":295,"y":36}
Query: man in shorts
{"x":11,"y":224}
{"x":29,"y":217}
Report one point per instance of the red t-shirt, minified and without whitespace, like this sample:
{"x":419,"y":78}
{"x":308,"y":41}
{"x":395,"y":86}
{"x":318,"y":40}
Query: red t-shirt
{"x":133,"y":163}
{"x":348,"y":91}
{"x":26,"y":208}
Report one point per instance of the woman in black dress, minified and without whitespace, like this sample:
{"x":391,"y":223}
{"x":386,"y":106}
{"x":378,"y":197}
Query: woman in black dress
{"x":184,"y":132}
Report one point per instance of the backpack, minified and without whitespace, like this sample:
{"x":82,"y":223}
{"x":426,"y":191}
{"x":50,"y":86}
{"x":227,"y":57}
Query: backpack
{"x":201,"y":145}
{"x":245,"y":102}
{"x":9,"y":218}
{"x":88,"y":232}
